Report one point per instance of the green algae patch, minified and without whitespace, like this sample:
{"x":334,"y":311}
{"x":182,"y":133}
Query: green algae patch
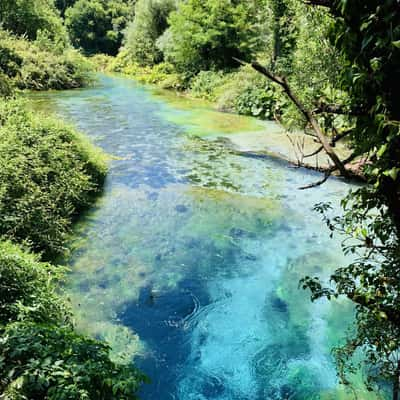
{"x":220,"y":211}
{"x":214,"y":165}
{"x":198,"y":118}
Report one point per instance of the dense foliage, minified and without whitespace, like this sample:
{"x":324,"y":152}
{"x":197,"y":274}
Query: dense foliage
{"x":48,"y":174}
{"x":342,"y":63}
{"x":96,"y":26}
{"x":41,"y":186}
{"x":368,"y":36}
{"x":208,"y":34}
{"x":31,"y":17}
{"x":40,"y":65}
{"x":40,"y":354}
{"x":149,"y":24}
{"x":28,"y":288}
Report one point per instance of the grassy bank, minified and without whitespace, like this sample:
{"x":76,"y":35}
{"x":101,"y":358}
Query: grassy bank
{"x":48,"y":173}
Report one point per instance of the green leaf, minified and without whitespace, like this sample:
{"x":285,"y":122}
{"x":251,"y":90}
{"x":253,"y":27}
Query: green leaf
{"x":396,"y":43}
{"x":392,"y":173}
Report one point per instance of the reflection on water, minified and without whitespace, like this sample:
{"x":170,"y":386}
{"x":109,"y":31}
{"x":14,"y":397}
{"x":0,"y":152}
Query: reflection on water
{"x":190,"y":261}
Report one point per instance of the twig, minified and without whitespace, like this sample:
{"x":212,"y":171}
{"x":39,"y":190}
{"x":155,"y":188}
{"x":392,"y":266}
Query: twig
{"x":318,"y":183}
{"x":314,"y":152}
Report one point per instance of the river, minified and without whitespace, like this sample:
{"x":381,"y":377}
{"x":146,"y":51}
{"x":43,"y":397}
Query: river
{"x":190,"y":260}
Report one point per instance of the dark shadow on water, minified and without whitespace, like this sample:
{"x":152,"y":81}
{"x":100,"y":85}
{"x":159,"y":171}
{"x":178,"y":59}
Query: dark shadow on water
{"x":159,"y":319}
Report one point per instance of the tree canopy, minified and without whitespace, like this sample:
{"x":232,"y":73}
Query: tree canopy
{"x":97,"y":26}
{"x":209,"y":34}
{"x":149,"y":24}
{"x":29,"y":17}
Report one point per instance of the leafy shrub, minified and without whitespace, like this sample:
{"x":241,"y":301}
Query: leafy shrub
{"x":154,"y":75}
{"x":10,"y":61}
{"x":32,"y":67}
{"x":208,"y":34}
{"x":48,"y":172}
{"x":47,"y":362}
{"x":246,"y":92}
{"x":162,"y":74}
{"x":96,"y":26}
{"x":173,"y":81}
{"x":6,"y":88}
{"x":121,"y":61}
{"x":205,"y":85}
{"x":28,"y":17}
{"x":101,"y":62}
{"x":27,"y":290}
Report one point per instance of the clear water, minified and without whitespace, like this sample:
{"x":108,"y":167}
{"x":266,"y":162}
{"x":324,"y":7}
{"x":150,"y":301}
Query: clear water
{"x":189,"y":263}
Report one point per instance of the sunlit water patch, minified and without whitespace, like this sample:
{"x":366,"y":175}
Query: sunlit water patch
{"x":190,"y":261}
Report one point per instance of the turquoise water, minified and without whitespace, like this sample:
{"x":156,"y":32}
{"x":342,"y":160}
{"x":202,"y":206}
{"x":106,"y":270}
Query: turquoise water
{"x":189,"y":262}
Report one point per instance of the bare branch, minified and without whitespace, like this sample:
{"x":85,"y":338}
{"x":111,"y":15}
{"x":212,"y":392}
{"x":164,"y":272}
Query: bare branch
{"x":340,"y":136}
{"x":314,"y":152}
{"x":318,"y":183}
{"x":350,"y":158}
{"x":306,"y":113}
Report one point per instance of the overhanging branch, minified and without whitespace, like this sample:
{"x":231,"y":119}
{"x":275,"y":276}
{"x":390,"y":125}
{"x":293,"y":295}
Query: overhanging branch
{"x":281,"y":81}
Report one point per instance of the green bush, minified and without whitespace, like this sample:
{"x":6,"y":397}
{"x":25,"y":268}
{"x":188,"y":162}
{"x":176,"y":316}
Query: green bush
{"x":208,"y":34}
{"x":40,"y":361}
{"x":163,"y":74}
{"x":96,"y":26}
{"x":29,"y":17}
{"x":101,"y":62}
{"x":48,"y":172}
{"x":152,"y":75}
{"x":205,"y":85}
{"x":31,"y":66}
{"x":27,"y":290}
{"x":6,"y":89}
{"x":246,"y":92}
{"x":121,"y":61}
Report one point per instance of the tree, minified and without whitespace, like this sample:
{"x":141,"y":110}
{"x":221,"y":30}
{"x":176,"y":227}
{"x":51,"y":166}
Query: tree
{"x":209,"y":34}
{"x":149,"y":24}
{"x":367,"y":36}
{"x":96,"y":26}
{"x":28,"y":17}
